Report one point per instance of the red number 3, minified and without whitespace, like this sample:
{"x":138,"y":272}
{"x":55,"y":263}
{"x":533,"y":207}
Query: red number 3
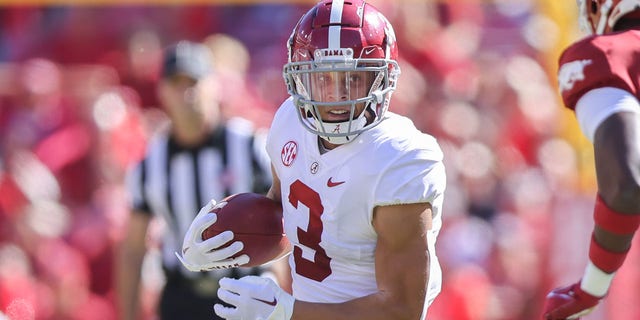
{"x":320,"y":268}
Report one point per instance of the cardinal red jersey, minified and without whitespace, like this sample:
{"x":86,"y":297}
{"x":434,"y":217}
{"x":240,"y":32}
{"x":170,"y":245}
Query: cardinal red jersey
{"x":328,"y":200}
{"x":610,"y":60}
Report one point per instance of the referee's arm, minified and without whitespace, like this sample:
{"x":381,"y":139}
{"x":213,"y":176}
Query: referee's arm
{"x":129,"y":264}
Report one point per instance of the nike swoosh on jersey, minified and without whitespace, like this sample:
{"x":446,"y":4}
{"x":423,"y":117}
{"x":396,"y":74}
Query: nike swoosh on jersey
{"x":332,"y":184}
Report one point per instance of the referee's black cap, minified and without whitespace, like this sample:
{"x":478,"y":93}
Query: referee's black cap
{"x":187,"y":58}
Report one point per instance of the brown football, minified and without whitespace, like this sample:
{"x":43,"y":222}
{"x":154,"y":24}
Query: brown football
{"x":256,"y":221}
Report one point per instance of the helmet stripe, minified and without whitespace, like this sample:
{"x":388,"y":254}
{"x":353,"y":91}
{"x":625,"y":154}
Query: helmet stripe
{"x":336,"y":11}
{"x":336,"y":18}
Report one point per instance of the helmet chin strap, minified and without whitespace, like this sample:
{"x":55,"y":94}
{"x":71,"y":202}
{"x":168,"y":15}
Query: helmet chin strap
{"x":358,"y":123}
{"x":342,"y":127}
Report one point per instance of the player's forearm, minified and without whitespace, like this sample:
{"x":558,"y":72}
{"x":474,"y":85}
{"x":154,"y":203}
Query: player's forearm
{"x":402,"y":295}
{"x":378,"y":306}
{"x":617,"y":208}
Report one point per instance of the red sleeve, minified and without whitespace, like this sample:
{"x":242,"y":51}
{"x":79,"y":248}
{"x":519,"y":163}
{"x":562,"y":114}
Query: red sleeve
{"x":596,"y":62}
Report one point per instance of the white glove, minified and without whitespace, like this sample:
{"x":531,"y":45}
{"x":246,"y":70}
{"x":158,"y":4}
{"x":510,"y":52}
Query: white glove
{"x":254,"y":298}
{"x":204,"y":255}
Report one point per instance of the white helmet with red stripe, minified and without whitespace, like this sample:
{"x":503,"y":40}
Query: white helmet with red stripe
{"x":600,"y":16}
{"x":347,"y":40}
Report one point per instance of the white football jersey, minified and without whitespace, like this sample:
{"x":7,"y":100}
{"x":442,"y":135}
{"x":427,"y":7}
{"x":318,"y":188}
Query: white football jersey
{"x":328,"y":200}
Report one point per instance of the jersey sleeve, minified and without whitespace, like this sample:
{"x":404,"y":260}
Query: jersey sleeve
{"x":592,"y":63}
{"x":416,"y":176}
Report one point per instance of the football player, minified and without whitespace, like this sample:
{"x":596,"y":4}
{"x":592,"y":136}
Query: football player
{"x":361,"y":188}
{"x":599,"y":78}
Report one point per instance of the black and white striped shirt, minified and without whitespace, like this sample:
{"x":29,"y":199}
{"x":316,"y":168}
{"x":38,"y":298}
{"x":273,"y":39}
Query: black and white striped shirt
{"x":174,"y":181}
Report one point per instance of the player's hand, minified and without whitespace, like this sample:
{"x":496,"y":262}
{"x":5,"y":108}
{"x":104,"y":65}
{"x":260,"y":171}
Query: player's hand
{"x":253,"y":297}
{"x":569,"y":303}
{"x":204,"y":255}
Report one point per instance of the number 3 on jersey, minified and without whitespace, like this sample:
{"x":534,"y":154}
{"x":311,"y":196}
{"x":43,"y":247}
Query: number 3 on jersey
{"x":320,"y":268}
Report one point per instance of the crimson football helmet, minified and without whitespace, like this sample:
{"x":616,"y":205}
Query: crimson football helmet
{"x":344,"y":50}
{"x":600,"y":16}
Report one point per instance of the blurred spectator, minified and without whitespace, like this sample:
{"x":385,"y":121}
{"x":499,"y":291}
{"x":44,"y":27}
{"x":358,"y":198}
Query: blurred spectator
{"x":140,"y":68}
{"x":239,"y":97}
{"x":196,"y":157}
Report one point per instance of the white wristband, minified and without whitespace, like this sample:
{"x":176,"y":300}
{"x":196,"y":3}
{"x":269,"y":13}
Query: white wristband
{"x":595,"y":281}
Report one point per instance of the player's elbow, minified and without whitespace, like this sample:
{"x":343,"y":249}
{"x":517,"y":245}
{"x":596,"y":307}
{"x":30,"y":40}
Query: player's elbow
{"x":401,"y":307}
{"x":408,"y":311}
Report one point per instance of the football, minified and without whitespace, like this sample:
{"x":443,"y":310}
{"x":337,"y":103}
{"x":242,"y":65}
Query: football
{"x":256,"y":221}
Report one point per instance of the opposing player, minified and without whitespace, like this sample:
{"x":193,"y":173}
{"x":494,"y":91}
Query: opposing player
{"x":361,"y":187}
{"x":600,"y":80}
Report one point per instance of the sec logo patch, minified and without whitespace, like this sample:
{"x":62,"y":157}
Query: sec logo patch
{"x":289,"y":153}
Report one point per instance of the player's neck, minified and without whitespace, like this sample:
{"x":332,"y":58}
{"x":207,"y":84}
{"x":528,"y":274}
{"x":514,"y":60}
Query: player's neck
{"x":191,"y":136}
{"x":324,"y":146}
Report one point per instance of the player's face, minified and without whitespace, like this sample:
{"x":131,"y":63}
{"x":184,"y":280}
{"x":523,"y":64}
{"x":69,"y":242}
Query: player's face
{"x":340,"y":86}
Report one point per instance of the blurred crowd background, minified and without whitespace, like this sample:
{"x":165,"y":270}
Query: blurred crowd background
{"x":77,"y":106}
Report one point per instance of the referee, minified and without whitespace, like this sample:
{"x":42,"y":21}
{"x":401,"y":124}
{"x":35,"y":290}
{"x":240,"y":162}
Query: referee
{"x":197,"y":158}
